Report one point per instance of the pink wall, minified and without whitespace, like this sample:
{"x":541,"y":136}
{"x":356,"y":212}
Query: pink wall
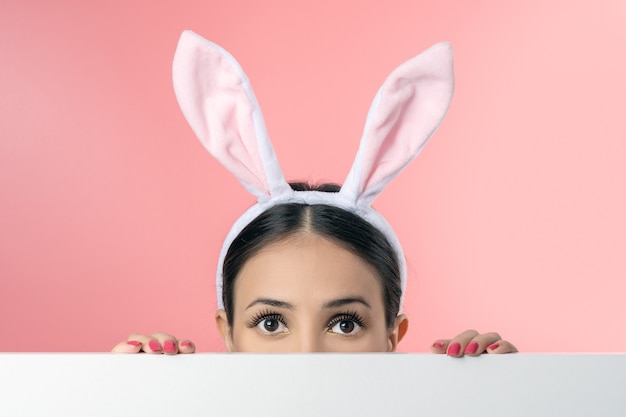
{"x":512,"y":218}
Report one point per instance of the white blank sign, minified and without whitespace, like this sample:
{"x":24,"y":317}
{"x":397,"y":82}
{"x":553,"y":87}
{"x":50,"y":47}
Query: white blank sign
{"x":527,"y":385}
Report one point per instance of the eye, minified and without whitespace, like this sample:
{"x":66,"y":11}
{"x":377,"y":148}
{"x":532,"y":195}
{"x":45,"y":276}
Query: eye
{"x":346,"y":324}
{"x":270,"y":324}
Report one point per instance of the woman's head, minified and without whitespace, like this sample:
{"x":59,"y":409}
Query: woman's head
{"x":319,"y":265}
{"x":217,"y":100}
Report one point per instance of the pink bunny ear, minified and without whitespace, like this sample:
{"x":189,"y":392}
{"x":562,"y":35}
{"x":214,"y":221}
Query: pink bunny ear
{"x":217,"y":100}
{"x":406,"y":111}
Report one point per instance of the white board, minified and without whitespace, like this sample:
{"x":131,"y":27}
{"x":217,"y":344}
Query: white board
{"x":312,"y":385}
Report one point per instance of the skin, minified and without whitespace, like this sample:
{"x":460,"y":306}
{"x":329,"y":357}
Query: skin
{"x":308,"y":294}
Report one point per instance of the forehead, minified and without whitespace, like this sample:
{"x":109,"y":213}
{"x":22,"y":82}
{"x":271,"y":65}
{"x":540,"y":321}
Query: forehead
{"x":306,"y":268}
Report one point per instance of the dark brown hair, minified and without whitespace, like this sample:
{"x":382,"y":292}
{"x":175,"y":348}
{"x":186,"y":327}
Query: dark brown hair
{"x":345,"y":228}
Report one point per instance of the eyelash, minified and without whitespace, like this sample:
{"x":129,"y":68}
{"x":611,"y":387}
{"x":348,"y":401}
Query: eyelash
{"x":273,"y":315}
{"x":264,"y":315}
{"x":347,"y":316}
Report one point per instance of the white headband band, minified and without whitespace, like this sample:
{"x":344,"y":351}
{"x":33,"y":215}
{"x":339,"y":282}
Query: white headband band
{"x":217,"y":100}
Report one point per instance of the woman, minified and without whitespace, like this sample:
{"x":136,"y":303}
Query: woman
{"x":311,"y":269}
{"x":312,"y":278}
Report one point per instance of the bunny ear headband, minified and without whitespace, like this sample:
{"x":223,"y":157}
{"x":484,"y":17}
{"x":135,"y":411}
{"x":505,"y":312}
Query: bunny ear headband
{"x":217,"y":100}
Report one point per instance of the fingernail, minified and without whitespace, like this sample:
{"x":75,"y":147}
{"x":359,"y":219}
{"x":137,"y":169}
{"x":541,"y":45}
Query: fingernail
{"x":494,"y":346}
{"x":154,"y":346}
{"x":169,"y":346}
{"x":471,"y":348}
{"x":454,"y":349}
{"x":185,"y":343}
{"x":133,"y":343}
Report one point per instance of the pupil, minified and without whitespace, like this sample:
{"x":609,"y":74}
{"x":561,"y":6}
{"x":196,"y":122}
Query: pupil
{"x":346,"y":326}
{"x":270,"y":325}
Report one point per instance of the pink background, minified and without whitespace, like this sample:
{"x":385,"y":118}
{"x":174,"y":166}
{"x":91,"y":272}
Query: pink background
{"x":513,"y":217}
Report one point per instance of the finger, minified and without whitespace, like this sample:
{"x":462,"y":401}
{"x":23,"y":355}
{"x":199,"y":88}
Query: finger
{"x":167,"y":341}
{"x":148,"y":343}
{"x":440,"y":346}
{"x":501,"y":346}
{"x":458,"y":345}
{"x":186,"y":346}
{"x":127,"y":346}
{"x":478,"y":344}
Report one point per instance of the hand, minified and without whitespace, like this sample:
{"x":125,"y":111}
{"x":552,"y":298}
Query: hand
{"x":157,"y":343}
{"x":472,"y":343}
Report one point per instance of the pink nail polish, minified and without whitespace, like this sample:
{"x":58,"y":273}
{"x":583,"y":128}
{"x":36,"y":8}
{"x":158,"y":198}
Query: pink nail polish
{"x":169,"y":346}
{"x":454,"y":349}
{"x":494,"y":346}
{"x":471,"y":348}
{"x":438,"y":345}
{"x":133,"y":343}
{"x":154,"y":346}
{"x":185,"y":343}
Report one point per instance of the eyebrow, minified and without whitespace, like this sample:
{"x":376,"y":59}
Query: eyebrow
{"x":330,"y":304}
{"x":343,"y":301}
{"x":271,"y":302}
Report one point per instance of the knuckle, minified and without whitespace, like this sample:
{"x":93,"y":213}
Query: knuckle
{"x":468,"y":333}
